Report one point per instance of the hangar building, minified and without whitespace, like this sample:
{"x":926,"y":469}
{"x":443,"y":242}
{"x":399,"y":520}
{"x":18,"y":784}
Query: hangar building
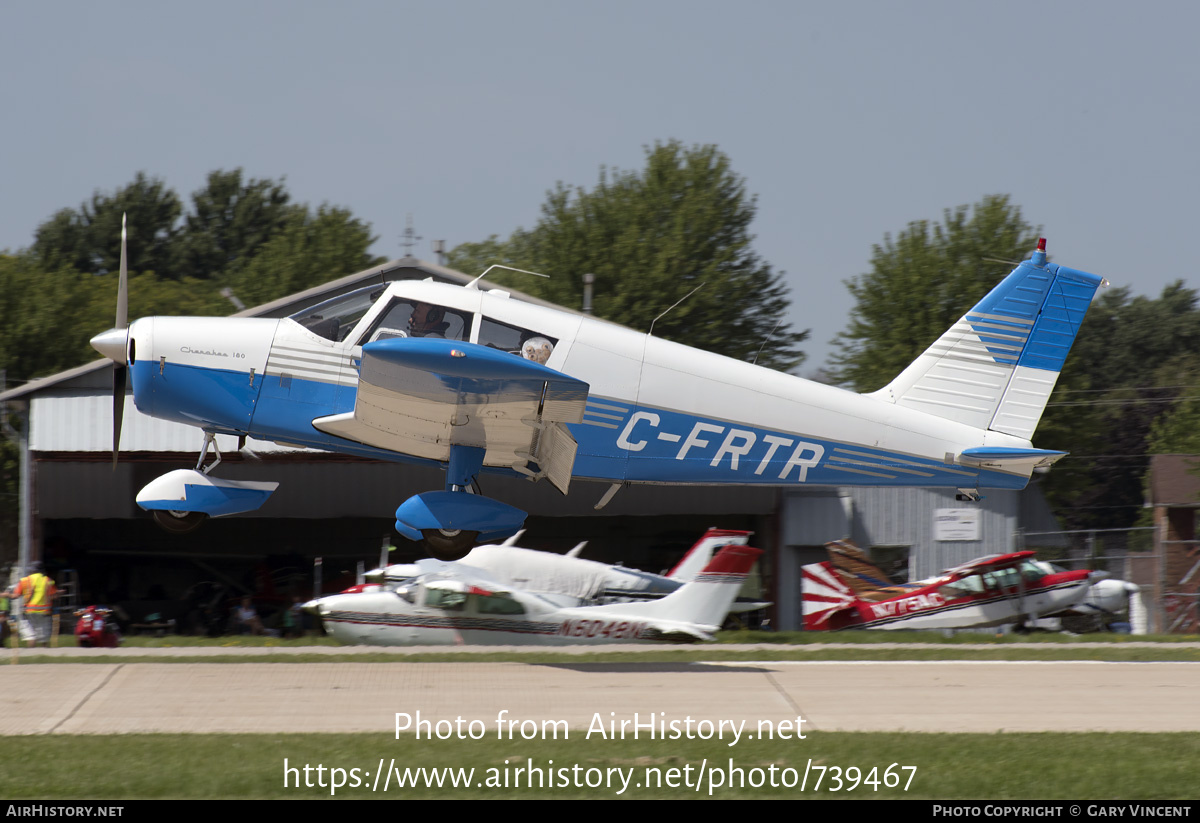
{"x":79,"y":513}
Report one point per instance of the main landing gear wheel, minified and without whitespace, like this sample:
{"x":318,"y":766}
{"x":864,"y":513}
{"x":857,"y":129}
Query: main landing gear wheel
{"x":178,"y":522}
{"x":449,"y":544}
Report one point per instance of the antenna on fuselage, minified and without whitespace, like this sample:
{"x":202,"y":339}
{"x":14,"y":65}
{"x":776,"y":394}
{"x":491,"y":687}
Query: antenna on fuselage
{"x":472,"y":284}
{"x":754,"y":362}
{"x":677,"y":302}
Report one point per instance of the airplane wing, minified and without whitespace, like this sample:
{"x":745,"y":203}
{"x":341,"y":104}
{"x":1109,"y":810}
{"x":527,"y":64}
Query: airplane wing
{"x":991,"y":561}
{"x":420,"y":396}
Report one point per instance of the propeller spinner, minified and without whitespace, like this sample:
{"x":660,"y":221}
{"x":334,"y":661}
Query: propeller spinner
{"x":114,"y":344}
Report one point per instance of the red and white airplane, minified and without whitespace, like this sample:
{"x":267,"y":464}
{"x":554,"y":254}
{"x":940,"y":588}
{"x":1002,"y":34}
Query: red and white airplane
{"x":847,"y":592}
{"x":455,"y":607}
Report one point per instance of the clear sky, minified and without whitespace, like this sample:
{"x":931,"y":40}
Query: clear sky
{"x":847,"y":119}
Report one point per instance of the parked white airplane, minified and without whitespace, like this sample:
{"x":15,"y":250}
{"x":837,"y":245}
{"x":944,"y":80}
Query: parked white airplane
{"x":1104,"y":602}
{"x":456,"y":608}
{"x":477,"y":382}
{"x":591,"y":582}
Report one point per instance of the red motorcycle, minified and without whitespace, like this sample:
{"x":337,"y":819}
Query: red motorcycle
{"x":95,"y":629}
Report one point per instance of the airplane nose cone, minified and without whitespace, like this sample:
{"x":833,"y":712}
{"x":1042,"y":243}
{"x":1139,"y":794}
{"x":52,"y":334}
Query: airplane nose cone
{"x":112,"y":344}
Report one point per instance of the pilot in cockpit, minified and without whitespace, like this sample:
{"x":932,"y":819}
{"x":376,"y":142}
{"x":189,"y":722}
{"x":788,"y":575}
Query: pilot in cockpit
{"x":427,"y":321}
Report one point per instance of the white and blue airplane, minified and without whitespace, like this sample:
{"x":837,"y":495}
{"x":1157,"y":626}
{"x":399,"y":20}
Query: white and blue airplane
{"x":476,"y":381}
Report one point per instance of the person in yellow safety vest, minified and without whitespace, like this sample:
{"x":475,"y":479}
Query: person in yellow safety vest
{"x":4,"y":605}
{"x":38,"y":591}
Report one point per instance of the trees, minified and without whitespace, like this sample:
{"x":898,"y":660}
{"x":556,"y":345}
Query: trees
{"x":650,"y":237}
{"x":307,"y":251}
{"x":1132,"y":358}
{"x":245,"y":234}
{"x":88,"y":239}
{"x":923,"y":281}
{"x":231,"y":220}
{"x":228,"y":224}
{"x":1177,"y":429}
{"x":1138,"y":359}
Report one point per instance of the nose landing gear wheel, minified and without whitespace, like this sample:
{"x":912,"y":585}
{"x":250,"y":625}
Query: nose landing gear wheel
{"x":448,"y":544}
{"x":178,"y":522}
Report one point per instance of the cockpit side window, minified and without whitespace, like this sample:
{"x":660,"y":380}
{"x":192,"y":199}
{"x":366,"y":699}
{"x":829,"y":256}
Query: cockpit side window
{"x":527,"y":343}
{"x":336,"y":318}
{"x":413,"y":318}
{"x":445,"y":599}
{"x":1031,"y":573}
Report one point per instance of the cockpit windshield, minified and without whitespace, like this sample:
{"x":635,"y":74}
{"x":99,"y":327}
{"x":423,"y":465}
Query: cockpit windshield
{"x":336,"y":318}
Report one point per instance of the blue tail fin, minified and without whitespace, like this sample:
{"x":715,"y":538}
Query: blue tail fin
{"x":996,"y":367}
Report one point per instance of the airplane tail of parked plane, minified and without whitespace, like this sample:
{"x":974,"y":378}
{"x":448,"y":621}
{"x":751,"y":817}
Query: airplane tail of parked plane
{"x":701,"y":552}
{"x":701,"y":604}
{"x":825,"y":594}
{"x":996,"y":367}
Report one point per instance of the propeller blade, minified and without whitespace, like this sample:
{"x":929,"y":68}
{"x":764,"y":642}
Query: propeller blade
{"x":120,"y":375}
{"x":123,"y":285}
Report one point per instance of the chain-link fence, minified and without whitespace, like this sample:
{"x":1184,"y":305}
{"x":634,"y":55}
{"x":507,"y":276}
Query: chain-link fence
{"x":1166,"y":572}
{"x":1181,"y":586}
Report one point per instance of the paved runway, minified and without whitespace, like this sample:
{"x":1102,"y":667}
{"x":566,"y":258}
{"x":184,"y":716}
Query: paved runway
{"x":70,"y":698}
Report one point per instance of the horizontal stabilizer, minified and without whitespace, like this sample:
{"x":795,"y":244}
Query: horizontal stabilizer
{"x":1005,"y":459}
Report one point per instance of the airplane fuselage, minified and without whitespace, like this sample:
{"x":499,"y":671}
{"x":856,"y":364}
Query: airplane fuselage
{"x":981,"y":597}
{"x":656,"y":411}
{"x":383,"y":619}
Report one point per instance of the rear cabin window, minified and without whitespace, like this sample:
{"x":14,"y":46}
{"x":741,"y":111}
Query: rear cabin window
{"x":498,"y":603}
{"x":528,"y":343}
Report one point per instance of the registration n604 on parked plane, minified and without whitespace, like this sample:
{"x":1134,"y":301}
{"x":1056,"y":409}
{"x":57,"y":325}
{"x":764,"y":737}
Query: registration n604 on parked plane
{"x":477,"y":381}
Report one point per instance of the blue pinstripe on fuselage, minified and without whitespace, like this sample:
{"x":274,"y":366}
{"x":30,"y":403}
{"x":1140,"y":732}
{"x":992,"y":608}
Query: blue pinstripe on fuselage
{"x":618,"y":440}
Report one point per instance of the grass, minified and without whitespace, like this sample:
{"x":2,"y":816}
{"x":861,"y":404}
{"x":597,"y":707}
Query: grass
{"x":948,"y":766}
{"x":940,"y":638}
